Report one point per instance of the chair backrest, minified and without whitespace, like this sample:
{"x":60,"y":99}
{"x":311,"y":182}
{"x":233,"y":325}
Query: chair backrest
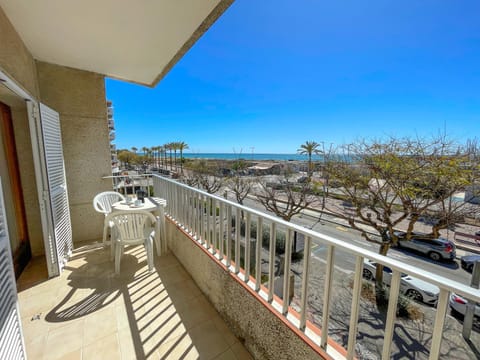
{"x":132,"y":226}
{"x":103,"y":202}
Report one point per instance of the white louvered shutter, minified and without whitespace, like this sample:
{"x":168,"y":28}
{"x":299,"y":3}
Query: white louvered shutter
{"x":61,"y":244}
{"x":11,"y":338}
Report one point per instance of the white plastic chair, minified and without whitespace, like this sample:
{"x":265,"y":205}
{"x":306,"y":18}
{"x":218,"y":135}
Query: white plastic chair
{"x":132,"y":228}
{"x":102,"y":203}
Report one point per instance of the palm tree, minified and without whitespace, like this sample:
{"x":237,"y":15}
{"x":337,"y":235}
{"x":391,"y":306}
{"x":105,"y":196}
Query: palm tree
{"x":153,"y":150}
{"x":160,"y":155}
{"x":134,"y":149}
{"x":309,"y":148}
{"x":175,"y":148}
{"x":169,"y":147}
{"x":182,"y":146}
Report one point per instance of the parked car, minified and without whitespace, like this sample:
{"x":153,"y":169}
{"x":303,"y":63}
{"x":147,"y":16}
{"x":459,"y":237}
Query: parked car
{"x":468,"y":261}
{"x":412,"y":287}
{"x":436,"y":249}
{"x":458,"y":305}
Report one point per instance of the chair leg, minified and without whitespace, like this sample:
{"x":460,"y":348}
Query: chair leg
{"x":149,"y":250}
{"x":105,"y":234}
{"x":112,"y":249}
{"x":118,"y":257}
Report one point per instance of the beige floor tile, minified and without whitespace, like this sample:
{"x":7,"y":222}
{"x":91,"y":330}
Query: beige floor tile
{"x":100,"y":324}
{"x":91,"y":312}
{"x":227,"y":355}
{"x":208,"y":340}
{"x":64,"y":340}
{"x":72,"y":355}
{"x":41,"y":303}
{"x":34,"y":327}
{"x":195,"y":312}
{"x":36,"y":347}
{"x":127,"y":344}
{"x":104,"y":348}
{"x":224,"y":330}
{"x":179,"y":348}
{"x":240,"y":352}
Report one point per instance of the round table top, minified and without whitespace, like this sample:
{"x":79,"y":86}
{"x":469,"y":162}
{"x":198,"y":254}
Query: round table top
{"x":148,"y":205}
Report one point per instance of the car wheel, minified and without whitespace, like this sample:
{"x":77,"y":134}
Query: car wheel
{"x":434,"y":256}
{"x":367,"y":274}
{"x":414,"y":294}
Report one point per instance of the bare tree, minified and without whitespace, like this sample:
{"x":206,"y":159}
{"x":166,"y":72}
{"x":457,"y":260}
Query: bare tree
{"x":204,"y":176}
{"x":286,"y":199}
{"x":240,"y":186}
{"x":398,"y":180}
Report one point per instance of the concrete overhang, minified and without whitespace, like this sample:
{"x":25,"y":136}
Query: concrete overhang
{"x":137,"y":41}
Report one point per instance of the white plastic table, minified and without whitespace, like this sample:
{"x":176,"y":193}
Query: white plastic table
{"x":155,"y":206}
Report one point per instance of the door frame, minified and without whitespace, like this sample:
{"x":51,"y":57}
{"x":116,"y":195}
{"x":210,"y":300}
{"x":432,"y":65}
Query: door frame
{"x":40,"y":170}
{"x":21,"y":254}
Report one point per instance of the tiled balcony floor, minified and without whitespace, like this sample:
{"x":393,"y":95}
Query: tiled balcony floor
{"x":89,"y":313}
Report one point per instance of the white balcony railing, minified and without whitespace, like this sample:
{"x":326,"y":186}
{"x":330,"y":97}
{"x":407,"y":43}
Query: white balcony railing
{"x":129,"y":184}
{"x":192,"y":210}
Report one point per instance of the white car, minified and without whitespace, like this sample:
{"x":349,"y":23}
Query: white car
{"x":458,"y":305}
{"x":412,"y":287}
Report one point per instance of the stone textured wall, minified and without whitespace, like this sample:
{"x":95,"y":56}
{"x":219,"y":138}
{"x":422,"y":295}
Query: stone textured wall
{"x":263,"y":333}
{"x":79,"y":97}
{"x":15,"y":59}
{"x":18,"y":63}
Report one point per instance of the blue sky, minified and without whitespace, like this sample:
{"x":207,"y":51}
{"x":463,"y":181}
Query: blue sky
{"x":273,"y":74}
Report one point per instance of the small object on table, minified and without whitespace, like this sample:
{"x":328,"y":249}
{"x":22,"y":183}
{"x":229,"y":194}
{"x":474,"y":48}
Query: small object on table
{"x":141,"y":195}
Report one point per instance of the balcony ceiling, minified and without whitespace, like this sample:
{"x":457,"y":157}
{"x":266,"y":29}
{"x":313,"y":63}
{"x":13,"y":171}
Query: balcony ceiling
{"x":137,"y":41}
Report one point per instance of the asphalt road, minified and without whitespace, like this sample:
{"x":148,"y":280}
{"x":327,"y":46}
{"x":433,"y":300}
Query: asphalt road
{"x":345,"y":262}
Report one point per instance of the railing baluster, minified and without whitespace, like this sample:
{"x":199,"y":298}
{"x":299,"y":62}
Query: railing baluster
{"x":392,"y":310}
{"x":306,"y":271}
{"x":229,"y":235}
{"x":221,"y":230}
{"x":202,"y":219}
{"x":327,"y":295}
{"x":271,"y":259}
{"x":286,"y":271}
{"x":214,"y":227}
{"x":258,"y":254}
{"x":238,"y":226}
{"x":247,"y":246}
{"x":208,"y":206}
{"x":357,"y":288}
{"x":438,"y":325}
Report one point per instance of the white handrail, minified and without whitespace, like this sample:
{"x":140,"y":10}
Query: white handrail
{"x":195,"y":210}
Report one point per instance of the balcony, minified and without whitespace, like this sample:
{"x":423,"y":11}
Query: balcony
{"x":112,"y":135}
{"x":88,"y":312}
{"x":180,"y":310}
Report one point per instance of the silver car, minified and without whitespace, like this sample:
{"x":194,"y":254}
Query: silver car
{"x":412,"y":287}
{"x":436,"y":249}
{"x":458,"y":305}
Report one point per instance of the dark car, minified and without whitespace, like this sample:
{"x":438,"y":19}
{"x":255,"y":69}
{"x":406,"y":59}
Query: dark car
{"x":436,"y":249}
{"x":468,"y":261}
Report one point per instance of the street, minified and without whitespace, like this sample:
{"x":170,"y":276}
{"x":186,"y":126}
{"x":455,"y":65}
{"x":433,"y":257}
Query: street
{"x":346,"y":262}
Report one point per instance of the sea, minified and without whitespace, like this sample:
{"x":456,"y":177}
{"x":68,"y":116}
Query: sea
{"x":252,"y":157}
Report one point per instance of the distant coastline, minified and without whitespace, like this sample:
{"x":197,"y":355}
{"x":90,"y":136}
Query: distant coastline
{"x":251,"y":157}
